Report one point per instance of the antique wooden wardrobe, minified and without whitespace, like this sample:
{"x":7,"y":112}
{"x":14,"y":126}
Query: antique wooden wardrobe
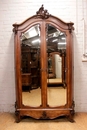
{"x":44,"y":67}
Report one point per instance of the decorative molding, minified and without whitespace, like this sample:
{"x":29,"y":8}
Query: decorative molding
{"x":15,"y":29}
{"x":42,"y":13}
{"x":70,"y":27}
{"x":44,"y":115}
{"x":84,"y":52}
{"x":84,"y":57}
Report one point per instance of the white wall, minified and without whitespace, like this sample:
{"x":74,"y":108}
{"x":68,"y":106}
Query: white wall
{"x":12,"y":11}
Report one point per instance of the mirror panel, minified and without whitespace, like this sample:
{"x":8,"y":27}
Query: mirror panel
{"x":54,"y":68}
{"x":56,"y":80}
{"x":30,"y":67}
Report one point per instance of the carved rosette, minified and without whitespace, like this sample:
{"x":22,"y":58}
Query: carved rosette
{"x":42,"y":13}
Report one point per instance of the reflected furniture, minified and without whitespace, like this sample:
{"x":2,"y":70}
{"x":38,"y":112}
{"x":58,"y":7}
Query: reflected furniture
{"x":29,"y":66}
{"x":44,"y":67}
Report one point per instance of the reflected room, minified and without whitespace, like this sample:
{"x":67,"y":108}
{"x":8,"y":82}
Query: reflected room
{"x":30,"y":64}
{"x":56,"y":50}
{"x":30,"y":67}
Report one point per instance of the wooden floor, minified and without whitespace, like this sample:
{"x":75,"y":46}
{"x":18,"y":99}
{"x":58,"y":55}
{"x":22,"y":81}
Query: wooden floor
{"x":56,"y":80}
{"x":56,"y":97}
{"x":7,"y":122}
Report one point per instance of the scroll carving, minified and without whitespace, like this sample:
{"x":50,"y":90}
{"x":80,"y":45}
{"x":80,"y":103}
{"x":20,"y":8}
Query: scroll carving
{"x":15,"y":29}
{"x":70,"y":27}
{"x":42,"y":13}
{"x":44,"y":115}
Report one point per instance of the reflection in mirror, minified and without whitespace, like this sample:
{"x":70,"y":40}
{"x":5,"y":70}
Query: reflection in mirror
{"x":30,"y":66}
{"x":54,"y":68}
{"x":56,"y":50}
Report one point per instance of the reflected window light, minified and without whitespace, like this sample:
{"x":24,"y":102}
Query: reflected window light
{"x":55,"y":40}
{"x":32,"y":32}
{"x":63,"y":38}
{"x":61,"y":33}
{"x":35,"y":41}
{"x":62,"y":43}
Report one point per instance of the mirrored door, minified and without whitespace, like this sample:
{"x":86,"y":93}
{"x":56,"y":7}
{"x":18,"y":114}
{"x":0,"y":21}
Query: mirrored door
{"x":30,"y":67}
{"x":56,"y":79}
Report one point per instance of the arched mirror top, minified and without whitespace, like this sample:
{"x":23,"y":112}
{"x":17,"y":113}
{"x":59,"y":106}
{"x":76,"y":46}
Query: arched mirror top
{"x":40,"y":15}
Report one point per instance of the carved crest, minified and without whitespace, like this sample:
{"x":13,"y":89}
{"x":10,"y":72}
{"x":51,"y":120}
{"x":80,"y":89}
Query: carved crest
{"x":44,"y":115}
{"x":42,"y":13}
